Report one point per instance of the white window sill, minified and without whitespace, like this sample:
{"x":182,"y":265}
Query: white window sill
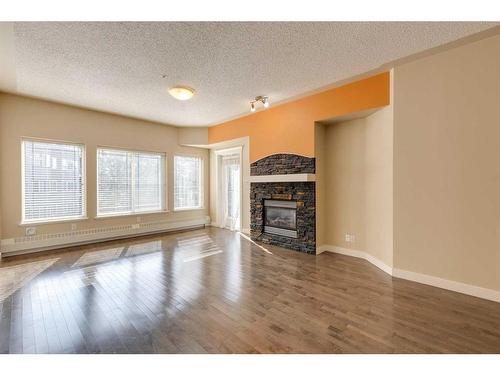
{"x":111,"y":216}
{"x":189,"y":209}
{"x":52,"y":221}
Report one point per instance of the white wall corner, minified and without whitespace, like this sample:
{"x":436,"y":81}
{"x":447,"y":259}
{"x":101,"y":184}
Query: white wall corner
{"x":321,"y":249}
{"x":357,"y":254}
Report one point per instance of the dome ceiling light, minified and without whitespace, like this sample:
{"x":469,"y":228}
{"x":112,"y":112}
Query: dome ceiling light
{"x":181,"y":92}
{"x":262,"y":99}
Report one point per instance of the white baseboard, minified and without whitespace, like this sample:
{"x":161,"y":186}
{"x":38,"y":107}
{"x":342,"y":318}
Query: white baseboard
{"x":471,"y":290}
{"x":357,"y":254}
{"x":455,"y":286}
{"x":49,"y":241}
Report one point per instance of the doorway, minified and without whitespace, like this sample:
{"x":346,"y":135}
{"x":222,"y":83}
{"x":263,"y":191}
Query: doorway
{"x":229,"y":188}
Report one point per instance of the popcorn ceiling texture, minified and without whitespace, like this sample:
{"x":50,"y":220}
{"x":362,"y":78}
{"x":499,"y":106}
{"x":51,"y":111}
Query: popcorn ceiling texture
{"x":118,"y":66}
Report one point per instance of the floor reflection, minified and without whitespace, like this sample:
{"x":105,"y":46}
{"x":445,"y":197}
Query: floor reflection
{"x":232,"y":288}
{"x":197,"y":247}
{"x":254,"y":243}
{"x":98,"y":256}
{"x":188,"y":268}
{"x":144,"y":248}
{"x":203,"y":254}
{"x":15,"y":277}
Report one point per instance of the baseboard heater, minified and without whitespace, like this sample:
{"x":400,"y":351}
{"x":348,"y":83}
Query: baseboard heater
{"x":50,"y":241}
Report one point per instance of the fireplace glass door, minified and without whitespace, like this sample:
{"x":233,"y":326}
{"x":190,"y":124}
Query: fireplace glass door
{"x":280,"y":217}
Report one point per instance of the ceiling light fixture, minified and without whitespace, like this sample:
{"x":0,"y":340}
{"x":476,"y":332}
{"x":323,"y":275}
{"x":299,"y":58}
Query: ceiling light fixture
{"x":262,"y":99}
{"x":181,"y":92}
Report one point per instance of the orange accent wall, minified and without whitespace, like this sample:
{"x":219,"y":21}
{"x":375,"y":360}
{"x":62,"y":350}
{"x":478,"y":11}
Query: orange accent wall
{"x":289,"y":127}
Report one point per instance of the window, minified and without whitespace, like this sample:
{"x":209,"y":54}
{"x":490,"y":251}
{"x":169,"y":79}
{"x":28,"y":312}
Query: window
{"x":129,"y":182}
{"x":53,"y":181}
{"x":188,"y":182}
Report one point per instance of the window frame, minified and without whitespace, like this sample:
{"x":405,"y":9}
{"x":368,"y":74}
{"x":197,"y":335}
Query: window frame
{"x":133,"y":213}
{"x":202,"y":182}
{"x":61,"y":219}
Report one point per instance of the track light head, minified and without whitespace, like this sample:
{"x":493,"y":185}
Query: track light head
{"x":262,"y":99}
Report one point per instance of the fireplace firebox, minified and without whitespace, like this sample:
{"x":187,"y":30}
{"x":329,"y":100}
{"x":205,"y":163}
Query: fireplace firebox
{"x":280,"y":217}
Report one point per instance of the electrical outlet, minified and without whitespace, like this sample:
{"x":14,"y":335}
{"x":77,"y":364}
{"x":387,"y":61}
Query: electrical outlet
{"x":73,"y":226}
{"x":30,"y":231}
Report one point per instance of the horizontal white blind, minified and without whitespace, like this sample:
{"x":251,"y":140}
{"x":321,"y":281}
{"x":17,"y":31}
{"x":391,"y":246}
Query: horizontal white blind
{"x":114,"y":191}
{"x":149,"y":182}
{"x":130,"y":182}
{"x":188,"y":182}
{"x":53,"y":181}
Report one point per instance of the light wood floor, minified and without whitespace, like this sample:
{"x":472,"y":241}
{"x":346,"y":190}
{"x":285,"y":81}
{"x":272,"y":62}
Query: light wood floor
{"x":213,"y":291}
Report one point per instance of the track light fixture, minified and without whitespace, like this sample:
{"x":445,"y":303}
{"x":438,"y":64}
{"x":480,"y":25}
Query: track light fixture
{"x":262,"y":99}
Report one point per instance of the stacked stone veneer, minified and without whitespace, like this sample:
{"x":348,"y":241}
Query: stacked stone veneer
{"x":304,"y":193}
{"x":283,"y":164}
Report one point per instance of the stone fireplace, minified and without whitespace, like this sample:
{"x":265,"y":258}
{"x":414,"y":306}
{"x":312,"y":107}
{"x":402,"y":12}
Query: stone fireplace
{"x":282,"y":202}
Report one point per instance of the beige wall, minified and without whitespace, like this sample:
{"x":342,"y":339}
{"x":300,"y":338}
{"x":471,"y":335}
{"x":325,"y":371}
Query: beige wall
{"x":447,"y":164}
{"x":193,"y":136}
{"x":358,"y":184}
{"x":7,"y":53}
{"x":20,"y":116}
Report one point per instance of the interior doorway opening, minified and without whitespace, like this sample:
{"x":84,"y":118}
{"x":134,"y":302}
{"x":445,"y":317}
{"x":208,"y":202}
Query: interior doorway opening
{"x":229,"y":183}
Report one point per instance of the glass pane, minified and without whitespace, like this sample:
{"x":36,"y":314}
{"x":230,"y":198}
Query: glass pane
{"x":187,"y":191}
{"x":115,"y":188}
{"x":149,"y":183}
{"x":130,"y":181}
{"x":233,"y":190}
{"x":281,"y":217}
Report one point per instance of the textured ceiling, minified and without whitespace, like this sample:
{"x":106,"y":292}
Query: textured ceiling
{"x":118,"y":67}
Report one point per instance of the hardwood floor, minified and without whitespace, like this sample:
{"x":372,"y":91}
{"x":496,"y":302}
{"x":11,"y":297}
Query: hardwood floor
{"x":214,"y":291}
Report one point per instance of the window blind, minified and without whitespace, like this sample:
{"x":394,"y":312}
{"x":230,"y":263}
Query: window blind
{"x":187,"y":182}
{"x":53,"y":181}
{"x":130,"y":182}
